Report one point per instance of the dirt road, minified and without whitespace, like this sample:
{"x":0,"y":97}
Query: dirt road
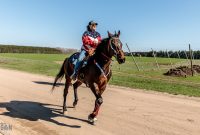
{"x":27,"y":107}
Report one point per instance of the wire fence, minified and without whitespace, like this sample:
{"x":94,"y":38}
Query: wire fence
{"x":167,"y":62}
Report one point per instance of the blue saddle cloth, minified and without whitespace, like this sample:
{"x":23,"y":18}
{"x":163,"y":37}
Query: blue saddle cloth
{"x":73,"y":58}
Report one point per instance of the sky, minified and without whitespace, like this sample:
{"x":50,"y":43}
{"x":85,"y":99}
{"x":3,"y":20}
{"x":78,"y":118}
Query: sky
{"x":144,"y":24}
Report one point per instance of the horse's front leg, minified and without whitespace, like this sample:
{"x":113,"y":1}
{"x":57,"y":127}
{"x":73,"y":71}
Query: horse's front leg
{"x":75,"y":86}
{"x":93,"y":116}
{"x":67,"y":84}
{"x":98,"y":102}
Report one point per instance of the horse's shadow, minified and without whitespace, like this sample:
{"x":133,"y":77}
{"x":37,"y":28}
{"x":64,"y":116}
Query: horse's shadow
{"x":34,"y":111}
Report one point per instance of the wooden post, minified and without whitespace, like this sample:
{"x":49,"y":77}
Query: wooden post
{"x":155,"y":59}
{"x":133,"y":57}
{"x":191,"y":59}
{"x":169,"y":59}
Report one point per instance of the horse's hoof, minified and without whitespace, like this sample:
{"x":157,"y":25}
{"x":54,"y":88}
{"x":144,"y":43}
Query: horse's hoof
{"x":74,"y":104}
{"x":92,"y":120}
{"x":65,"y":112}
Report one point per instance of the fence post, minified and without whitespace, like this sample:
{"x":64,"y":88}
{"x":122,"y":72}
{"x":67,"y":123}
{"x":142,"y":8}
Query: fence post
{"x":155,"y":59}
{"x":133,"y":57}
{"x":191,"y":59}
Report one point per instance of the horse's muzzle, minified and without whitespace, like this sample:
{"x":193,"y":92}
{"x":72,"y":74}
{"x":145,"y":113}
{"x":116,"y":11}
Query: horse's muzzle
{"x":120,"y":61}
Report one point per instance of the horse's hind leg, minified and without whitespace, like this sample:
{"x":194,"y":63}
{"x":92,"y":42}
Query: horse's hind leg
{"x":67,"y":84}
{"x":75,"y":86}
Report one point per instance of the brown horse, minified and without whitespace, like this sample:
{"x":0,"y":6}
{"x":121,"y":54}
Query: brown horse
{"x":95,"y":74}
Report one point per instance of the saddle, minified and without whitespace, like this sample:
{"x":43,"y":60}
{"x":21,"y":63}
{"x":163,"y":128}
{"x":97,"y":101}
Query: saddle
{"x":73,"y":58}
{"x":87,"y":60}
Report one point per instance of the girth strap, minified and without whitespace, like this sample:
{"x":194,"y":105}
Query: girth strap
{"x":100,"y":68}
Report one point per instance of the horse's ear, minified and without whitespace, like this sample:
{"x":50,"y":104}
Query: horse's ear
{"x":118,"y":33}
{"x":109,"y":34}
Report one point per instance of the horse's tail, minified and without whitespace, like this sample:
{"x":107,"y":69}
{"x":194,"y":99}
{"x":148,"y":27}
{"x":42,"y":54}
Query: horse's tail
{"x":60,"y":74}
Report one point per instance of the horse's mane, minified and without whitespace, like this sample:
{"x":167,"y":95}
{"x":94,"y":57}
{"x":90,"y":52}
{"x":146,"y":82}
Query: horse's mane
{"x":102,"y":45}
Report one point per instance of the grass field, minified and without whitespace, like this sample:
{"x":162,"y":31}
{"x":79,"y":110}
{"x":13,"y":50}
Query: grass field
{"x":149,"y":78}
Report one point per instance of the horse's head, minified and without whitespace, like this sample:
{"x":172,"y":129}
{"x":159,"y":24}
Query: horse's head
{"x":115,"y":47}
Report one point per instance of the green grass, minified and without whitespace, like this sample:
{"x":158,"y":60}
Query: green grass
{"x":46,"y":64}
{"x":149,"y":77}
{"x":168,"y":86}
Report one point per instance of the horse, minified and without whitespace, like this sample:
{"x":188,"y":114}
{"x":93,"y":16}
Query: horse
{"x":95,"y":74}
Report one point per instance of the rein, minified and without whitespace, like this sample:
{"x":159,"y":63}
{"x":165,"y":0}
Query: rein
{"x":107,"y":59}
{"x":105,"y":56}
{"x":102,"y":69}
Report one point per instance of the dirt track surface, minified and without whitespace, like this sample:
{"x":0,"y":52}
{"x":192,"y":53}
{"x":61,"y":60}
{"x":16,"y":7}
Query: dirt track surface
{"x":27,"y":104}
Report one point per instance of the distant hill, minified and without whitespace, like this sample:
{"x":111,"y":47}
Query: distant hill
{"x":33,"y":49}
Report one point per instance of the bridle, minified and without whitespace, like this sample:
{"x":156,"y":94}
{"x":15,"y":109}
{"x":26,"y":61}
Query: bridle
{"x":115,"y":49}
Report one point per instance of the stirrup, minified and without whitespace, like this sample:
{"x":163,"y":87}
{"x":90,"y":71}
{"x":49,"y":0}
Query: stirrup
{"x":73,"y":76}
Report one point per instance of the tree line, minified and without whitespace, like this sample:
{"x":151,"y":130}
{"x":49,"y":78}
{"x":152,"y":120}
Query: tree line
{"x":49,"y":50}
{"x":165,"y":54}
{"x":33,"y":49}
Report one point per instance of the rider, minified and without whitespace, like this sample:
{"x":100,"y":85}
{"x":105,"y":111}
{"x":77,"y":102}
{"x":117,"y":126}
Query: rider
{"x":91,"y":39}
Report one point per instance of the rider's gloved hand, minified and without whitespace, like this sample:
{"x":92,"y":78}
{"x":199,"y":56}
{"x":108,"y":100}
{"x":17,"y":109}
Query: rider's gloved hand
{"x":96,"y":41}
{"x":91,"y":51}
